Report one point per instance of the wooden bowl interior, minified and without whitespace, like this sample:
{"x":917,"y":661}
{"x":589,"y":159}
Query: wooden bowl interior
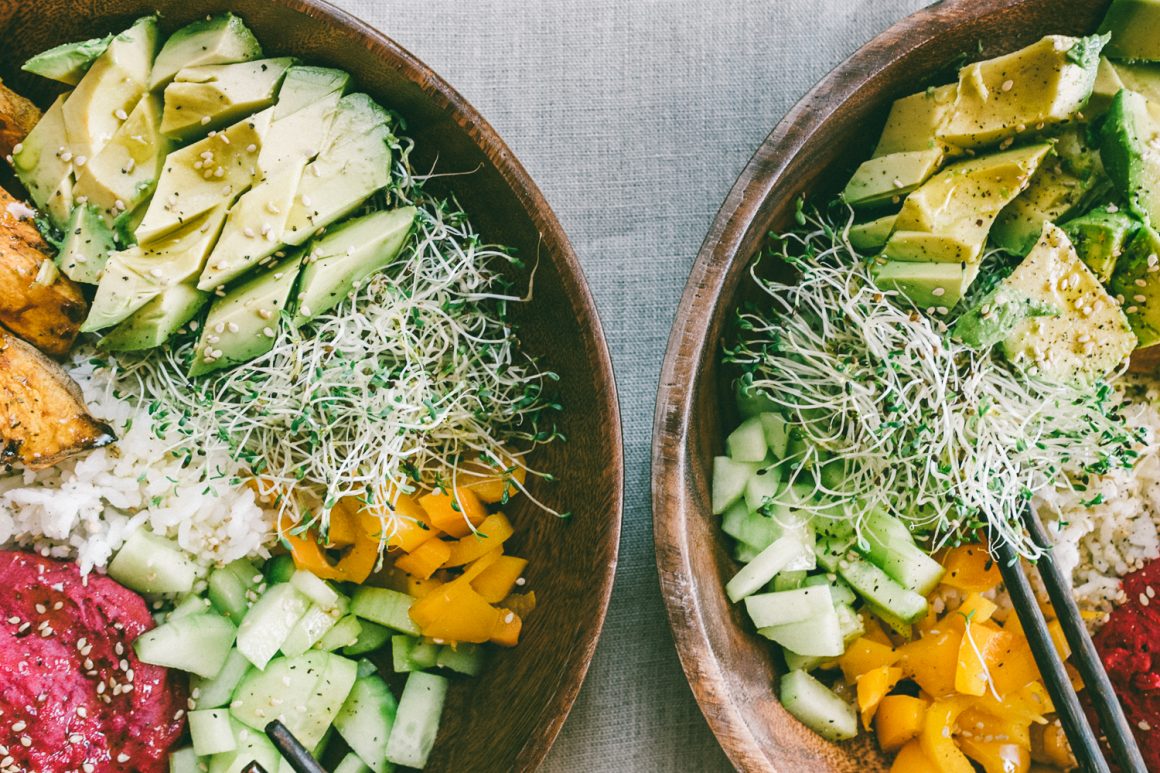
{"x":811,"y":153}
{"x":507,"y":718}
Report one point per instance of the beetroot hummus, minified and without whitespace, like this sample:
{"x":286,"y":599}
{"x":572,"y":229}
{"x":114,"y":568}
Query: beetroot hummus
{"x":73,"y":696}
{"x":1129,"y":643}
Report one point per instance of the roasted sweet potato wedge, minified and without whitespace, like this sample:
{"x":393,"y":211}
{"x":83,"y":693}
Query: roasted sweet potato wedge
{"x":44,"y":307}
{"x":17,"y":117}
{"x":43,"y":418}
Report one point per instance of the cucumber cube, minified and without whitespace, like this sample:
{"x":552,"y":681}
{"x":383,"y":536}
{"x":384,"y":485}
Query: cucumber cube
{"x":410,"y":654}
{"x":315,"y":589}
{"x":763,"y":486}
{"x":790,"y":606}
{"x":184,"y":760}
{"x":327,"y":699}
{"x":385,"y":607}
{"x":729,"y":479}
{"x":189,"y":604}
{"x":820,"y":635}
{"x":776,"y":430}
{"x":216,"y":691}
{"x":228,"y":591}
{"x":464,"y":658}
{"x":308,"y":631}
{"x":148,"y":563}
{"x":371,"y":637}
{"x":211,"y":732}
{"x":788,"y":580}
{"x":879,"y":589}
{"x":311,"y":687}
{"x":198,"y":644}
{"x":417,"y":720}
{"x":830,"y":550}
{"x":850,"y":623}
{"x":753,"y":529}
{"x":747,"y":442}
{"x":366,"y":719}
{"x":763,"y":568}
{"x":279,"y":569}
{"x":744,"y":554}
{"x":345,"y":633}
{"x":796,"y":662}
{"x":252,"y":747}
{"x":352,"y":764}
{"x":269,"y":622}
{"x":817,"y":707}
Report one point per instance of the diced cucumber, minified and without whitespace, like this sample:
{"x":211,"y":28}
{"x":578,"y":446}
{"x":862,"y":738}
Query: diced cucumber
{"x":269,"y":622}
{"x":744,"y":554}
{"x":312,"y":627}
{"x":889,"y":544}
{"x":753,"y":402}
{"x":464,"y":658}
{"x":747,"y":442}
{"x":184,"y":760}
{"x":229,"y":592}
{"x":351,"y":764}
{"x":830,"y":550}
{"x":892,"y":621}
{"x":817,"y":707}
{"x":841,"y":592}
{"x":327,"y":699}
{"x":385,"y":607}
{"x":211,"y":732}
{"x":796,"y":662}
{"x":372,"y":637}
{"x":776,"y":431}
{"x":797,"y":525}
{"x":197,"y":643}
{"x":763,"y":486}
{"x":849,"y":622}
{"x":252,"y":746}
{"x":820,"y":635}
{"x":789,"y":580}
{"x":417,"y":720}
{"x":366,"y":668}
{"x":279,"y":569}
{"x":729,"y":479}
{"x":216,"y":691}
{"x":315,"y":589}
{"x":411,"y":654}
{"x":190,"y":604}
{"x":763,"y":568}
{"x":365,"y":721}
{"x":790,"y":606}
{"x":754,"y":529}
{"x":878,"y":588}
{"x":307,"y":691}
{"x":344,"y":634}
{"x":148,"y":563}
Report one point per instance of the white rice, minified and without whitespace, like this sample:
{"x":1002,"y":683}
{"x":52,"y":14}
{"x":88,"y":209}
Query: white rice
{"x":84,"y":508}
{"x":1100,"y":543}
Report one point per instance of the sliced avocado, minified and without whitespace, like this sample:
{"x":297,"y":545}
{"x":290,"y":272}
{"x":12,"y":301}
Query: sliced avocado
{"x":109,"y":90}
{"x":347,"y":255}
{"x":354,"y":163}
{"x":153,"y":324}
{"x":1130,"y":134}
{"x":305,"y":85}
{"x":993,"y":318}
{"x":202,"y":99}
{"x":243,"y":324}
{"x":927,"y":285}
{"x":68,"y":62}
{"x":1106,"y":86}
{"x":1143,"y":79}
{"x":1100,"y":236}
{"x":1088,"y":336}
{"x":914,"y":120}
{"x":872,"y":235}
{"x":1053,"y":194}
{"x":949,"y":216}
{"x":137,"y":275}
{"x":298,"y":136}
{"x":1136,"y":286}
{"x":44,"y":165}
{"x":88,"y":242}
{"x":1078,"y":148}
{"x":1132,"y":25}
{"x":888,"y":178}
{"x":202,"y":176}
{"x":124,"y":172}
{"x":254,"y":229}
{"x":125,"y":226}
{"x":1042,"y":85}
{"x":216,"y":40}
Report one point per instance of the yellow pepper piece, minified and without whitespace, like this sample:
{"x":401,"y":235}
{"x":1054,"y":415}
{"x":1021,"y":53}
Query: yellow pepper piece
{"x":980,"y":723}
{"x":355,"y":566}
{"x":873,"y":687}
{"x":489,"y":484}
{"x":1056,"y":748}
{"x":414,"y":586}
{"x":996,"y":756}
{"x":492,"y":532}
{"x":1059,"y":639}
{"x":498,"y":580}
{"x":874,"y":630}
{"x":970,"y":568}
{"x":911,"y":759}
{"x":937,"y":738}
{"x":863,"y":655}
{"x":976,"y":608}
{"x":523,"y":604}
{"x":932,"y":661}
{"x":979,"y":652}
{"x":426,"y":559}
{"x":480,"y":565}
{"x":899,"y":720}
{"x":454,"y":515}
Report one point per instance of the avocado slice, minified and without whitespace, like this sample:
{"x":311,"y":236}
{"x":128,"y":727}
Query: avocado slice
{"x":1132,"y":25}
{"x":927,"y":285}
{"x":218,"y":39}
{"x":1128,"y":140}
{"x":1087,"y":338}
{"x":1143,"y":78}
{"x":138,"y":274}
{"x":1044,"y":84}
{"x":354,"y":163}
{"x":347,"y":255}
{"x":255,"y":226}
{"x":949,"y":216}
{"x":1053,"y":195}
{"x":872,"y":235}
{"x":1100,"y":237}
{"x":153,"y":324}
{"x":242,"y":325}
{"x":888,"y":178}
{"x":109,"y":90}
{"x":914,"y":120}
{"x":202,"y":176}
{"x":298,"y":136}
{"x":202,"y":99}
{"x":1135,"y":284}
{"x":67,"y":63}
{"x":996,"y":315}
{"x":1106,"y":86}
{"x":88,"y":242}
{"x":44,"y":165}
{"x":123,"y":174}
{"x":305,"y":85}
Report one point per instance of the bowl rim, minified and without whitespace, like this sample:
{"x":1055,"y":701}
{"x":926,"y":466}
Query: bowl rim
{"x":673,"y":452}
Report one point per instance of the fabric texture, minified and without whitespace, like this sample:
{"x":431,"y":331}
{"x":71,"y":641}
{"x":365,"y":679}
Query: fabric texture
{"x":634,"y":118}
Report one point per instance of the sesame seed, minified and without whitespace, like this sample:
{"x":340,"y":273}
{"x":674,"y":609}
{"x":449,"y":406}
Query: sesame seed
{"x":204,"y":120}
{"x":122,"y":758}
{"x":121,"y":114}
{"x":938,"y":292}
{"x":251,"y":148}
{"x":19,"y":726}
{"x":81,"y":160}
{"x":41,"y":609}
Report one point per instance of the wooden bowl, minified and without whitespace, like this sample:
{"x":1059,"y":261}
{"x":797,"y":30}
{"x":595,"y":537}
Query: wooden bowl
{"x":812,"y":152}
{"x":507,"y":718}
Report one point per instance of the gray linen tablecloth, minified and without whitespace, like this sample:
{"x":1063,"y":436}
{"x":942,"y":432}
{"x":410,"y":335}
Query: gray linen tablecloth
{"x":634,"y":118}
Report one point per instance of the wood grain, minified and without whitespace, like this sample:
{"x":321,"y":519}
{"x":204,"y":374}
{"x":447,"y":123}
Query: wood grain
{"x":811,"y":152}
{"x":507,"y":718}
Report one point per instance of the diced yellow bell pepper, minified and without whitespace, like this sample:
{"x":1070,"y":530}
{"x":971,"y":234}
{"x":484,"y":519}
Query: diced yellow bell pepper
{"x":480,"y":565}
{"x":977,"y":608}
{"x":417,"y":587}
{"x":523,"y":604}
{"x":911,"y":759}
{"x":937,"y":737}
{"x":979,"y":650}
{"x":874,"y":630}
{"x":355,"y":566}
{"x":426,"y":559}
{"x":1015,"y":667}
{"x":498,"y":580}
{"x":873,"y":687}
{"x":489,"y":484}
{"x":996,"y":756}
{"x":454,"y":612}
{"x":1059,"y":639}
{"x":932,"y":661}
{"x":492,"y":532}
{"x":456,"y":515}
{"x":970,"y":568}
{"x":507,"y":631}
{"x":863,"y":655}
{"x":899,"y":720}
{"x":1056,"y":748}
{"x":1031,"y":703}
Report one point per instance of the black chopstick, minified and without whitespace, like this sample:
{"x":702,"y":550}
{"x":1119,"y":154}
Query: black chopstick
{"x":1083,"y":652}
{"x":295,"y":753}
{"x":1084,"y":744}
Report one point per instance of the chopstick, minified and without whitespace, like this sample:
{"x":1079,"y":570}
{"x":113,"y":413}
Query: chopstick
{"x":1084,"y":744}
{"x":1083,"y":652}
{"x":295,"y":753}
